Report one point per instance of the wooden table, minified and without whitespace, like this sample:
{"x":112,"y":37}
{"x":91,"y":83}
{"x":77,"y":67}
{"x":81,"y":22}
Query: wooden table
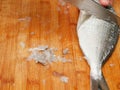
{"x":29,"y":23}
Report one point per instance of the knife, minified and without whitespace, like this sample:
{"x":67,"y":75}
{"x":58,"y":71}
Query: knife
{"x":97,"y":10}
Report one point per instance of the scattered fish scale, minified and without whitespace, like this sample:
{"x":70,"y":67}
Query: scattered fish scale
{"x":62,"y":2}
{"x":22,"y":44}
{"x":25,"y":19}
{"x":61,"y":76}
{"x":64,"y":79}
{"x":66,"y":51}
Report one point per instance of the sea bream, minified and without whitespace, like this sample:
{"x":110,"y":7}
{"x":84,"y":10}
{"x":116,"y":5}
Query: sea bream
{"x":97,"y":39}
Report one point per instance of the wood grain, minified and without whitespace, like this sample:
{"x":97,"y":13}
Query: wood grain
{"x":53,"y":25}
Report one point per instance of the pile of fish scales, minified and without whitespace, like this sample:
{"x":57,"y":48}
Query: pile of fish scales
{"x":46,"y":55}
{"x":42,"y":54}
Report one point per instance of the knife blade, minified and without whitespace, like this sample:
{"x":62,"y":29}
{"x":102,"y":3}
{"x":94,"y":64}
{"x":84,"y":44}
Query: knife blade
{"x":95,"y":9}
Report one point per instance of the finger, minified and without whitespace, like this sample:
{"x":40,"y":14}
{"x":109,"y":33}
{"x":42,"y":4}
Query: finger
{"x":106,"y":2}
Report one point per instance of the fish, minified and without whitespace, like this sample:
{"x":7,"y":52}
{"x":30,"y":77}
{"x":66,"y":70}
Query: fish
{"x":97,"y":40}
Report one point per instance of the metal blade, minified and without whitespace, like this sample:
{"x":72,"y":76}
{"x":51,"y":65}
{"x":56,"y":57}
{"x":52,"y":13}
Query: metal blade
{"x":94,"y":8}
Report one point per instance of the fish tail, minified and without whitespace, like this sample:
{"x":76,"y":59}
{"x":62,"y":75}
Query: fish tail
{"x":103,"y":84}
{"x":94,"y":84}
{"x":99,"y":84}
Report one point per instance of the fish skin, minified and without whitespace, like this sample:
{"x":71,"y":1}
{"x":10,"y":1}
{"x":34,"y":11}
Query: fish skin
{"x":97,"y":39}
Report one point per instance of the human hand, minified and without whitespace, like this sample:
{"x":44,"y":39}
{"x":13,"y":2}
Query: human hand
{"x":106,"y":2}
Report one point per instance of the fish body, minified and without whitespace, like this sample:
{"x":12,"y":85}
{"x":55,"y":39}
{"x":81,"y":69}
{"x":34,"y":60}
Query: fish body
{"x":97,"y":39}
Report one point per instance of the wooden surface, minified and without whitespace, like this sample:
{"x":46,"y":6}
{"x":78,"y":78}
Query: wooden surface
{"x":53,"y":25}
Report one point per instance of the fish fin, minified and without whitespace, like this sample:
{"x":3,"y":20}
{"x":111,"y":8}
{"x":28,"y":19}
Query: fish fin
{"x":99,"y":84}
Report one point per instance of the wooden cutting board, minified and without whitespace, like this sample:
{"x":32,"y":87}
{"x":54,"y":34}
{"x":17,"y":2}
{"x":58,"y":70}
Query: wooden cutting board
{"x":30,"y":23}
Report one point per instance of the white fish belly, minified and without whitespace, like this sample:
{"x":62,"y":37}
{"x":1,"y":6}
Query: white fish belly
{"x":97,"y":39}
